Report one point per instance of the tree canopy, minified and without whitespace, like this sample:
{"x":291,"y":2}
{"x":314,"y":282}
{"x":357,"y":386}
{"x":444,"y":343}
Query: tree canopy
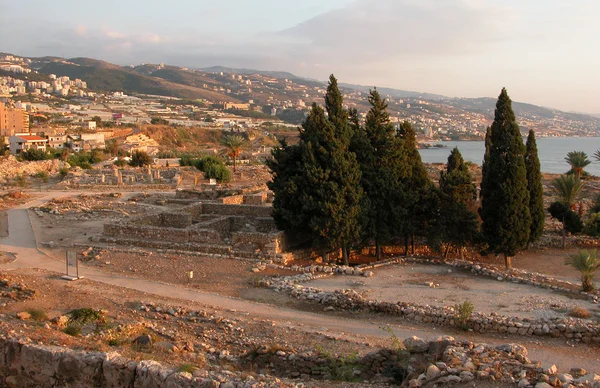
{"x":505,"y":198}
{"x":535,"y":189}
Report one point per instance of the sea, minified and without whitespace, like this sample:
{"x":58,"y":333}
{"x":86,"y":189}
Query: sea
{"x":551,"y":151}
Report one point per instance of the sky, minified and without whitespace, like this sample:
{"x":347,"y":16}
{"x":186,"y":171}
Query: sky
{"x":544,"y":52}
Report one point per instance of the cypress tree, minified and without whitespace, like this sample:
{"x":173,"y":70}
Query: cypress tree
{"x":286,"y":183}
{"x":505,"y":198}
{"x":459,"y":223}
{"x":419,"y":195}
{"x":384,"y":167}
{"x":345,"y":171}
{"x":317,"y":183}
{"x":535,"y":188}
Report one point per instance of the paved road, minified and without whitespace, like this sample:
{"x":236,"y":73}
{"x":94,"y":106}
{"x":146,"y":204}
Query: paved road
{"x":22,"y":242}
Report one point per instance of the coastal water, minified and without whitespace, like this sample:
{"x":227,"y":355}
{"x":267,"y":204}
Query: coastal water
{"x":551,"y":151}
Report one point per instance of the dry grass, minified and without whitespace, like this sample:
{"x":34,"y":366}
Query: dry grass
{"x":579,"y":312}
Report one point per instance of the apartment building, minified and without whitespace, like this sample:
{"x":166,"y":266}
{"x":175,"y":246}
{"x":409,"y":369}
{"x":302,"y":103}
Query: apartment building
{"x":12,"y":121}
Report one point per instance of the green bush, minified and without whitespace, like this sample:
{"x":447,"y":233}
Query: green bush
{"x":32,"y":155}
{"x":85,"y":315}
{"x":120,"y":163}
{"x":140,"y":159}
{"x":462,"y":314}
{"x":42,"y":175}
{"x":83,"y":159}
{"x":212,"y":166}
{"x":186,"y":368}
{"x":63,"y":171}
{"x":219,"y":172}
{"x":72,"y":330}
{"x":562,"y":212}
{"x":37,"y":314}
{"x":592,"y":225}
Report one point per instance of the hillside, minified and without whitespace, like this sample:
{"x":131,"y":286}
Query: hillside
{"x":103,"y":76}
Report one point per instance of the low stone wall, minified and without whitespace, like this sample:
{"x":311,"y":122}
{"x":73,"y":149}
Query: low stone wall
{"x":255,"y":199}
{"x":237,"y":210}
{"x":29,"y":365}
{"x":210,"y":193}
{"x":120,"y":188}
{"x":179,"y":220}
{"x":233,"y":200}
{"x":140,"y":232}
{"x":570,"y":328}
{"x":251,"y":242}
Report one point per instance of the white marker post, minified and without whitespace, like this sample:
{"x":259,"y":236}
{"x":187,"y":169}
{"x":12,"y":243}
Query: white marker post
{"x":72,"y":265}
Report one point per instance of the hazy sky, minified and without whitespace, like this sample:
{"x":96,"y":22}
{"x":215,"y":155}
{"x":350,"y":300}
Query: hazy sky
{"x":544,"y":51}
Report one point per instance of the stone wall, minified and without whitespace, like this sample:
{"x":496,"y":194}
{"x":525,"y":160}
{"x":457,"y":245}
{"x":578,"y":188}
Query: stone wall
{"x":29,"y":365}
{"x":179,"y":220}
{"x":249,"y":241}
{"x":237,"y":210}
{"x":233,"y":200}
{"x":571,"y":328}
{"x":138,"y":232}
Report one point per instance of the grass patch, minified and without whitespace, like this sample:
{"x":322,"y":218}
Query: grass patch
{"x":462,"y":314}
{"x":38,"y":314}
{"x":72,"y":330}
{"x":580,"y":312}
{"x":186,"y":368}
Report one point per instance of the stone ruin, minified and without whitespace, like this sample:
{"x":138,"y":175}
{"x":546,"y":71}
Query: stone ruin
{"x":115,"y":177}
{"x":239,"y":226}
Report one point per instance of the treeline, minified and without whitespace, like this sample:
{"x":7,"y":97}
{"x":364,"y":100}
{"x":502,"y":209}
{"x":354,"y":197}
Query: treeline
{"x":348,"y":185}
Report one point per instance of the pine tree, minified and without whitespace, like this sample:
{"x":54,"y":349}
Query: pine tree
{"x":420,"y":196}
{"x":505,"y":198}
{"x":535,"y":188}
{"x":384,"y":167}
{"x":459,"y":224}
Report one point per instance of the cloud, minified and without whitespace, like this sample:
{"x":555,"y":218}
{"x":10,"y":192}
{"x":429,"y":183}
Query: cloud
{"x":396,"y":28}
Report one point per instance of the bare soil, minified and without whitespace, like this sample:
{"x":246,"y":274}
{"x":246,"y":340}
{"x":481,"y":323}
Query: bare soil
{"x":412,"y":283}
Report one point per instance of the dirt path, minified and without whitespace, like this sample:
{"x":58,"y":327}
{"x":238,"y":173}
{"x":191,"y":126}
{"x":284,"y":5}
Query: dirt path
{"x":22,"y":242}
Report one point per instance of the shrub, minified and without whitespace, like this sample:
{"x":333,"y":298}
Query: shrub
{"x":37,"y":314}
{"x":20,"y":181}
{"x":219,"y":172}
{"x":120,"y":163}
{"x":579,"y":312}
{"x":72,"y":330}
{"x":462,"y":314}
{"x":42,"y":175}
{"x":85,"y":315}
{"x":33,"y":154}
{"x":587,"y":263}
{"x":592,"y":226}
{"x":140,"y":159}
{"x":63,"y":171}
{"x":186,"y":368}
{"x":562,"y":212}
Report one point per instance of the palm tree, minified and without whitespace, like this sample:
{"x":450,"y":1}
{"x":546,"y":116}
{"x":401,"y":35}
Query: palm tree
{"x":234,"y":146}
{"x":578,"y":160}
{"x":587,"y":263}
{"x":597,"y":155}
{"x":567,"y":187}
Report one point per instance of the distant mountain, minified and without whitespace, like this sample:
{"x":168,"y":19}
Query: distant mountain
{"x":486,"y":105}
{"x":275,"y":74}
{"x":104,"y":76}
{"x":395,"y":93}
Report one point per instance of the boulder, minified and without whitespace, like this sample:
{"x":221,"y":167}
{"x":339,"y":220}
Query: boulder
{"x":416,"y":345}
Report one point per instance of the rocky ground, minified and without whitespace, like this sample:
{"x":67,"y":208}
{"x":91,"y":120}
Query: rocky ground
{"x":212,"y":344}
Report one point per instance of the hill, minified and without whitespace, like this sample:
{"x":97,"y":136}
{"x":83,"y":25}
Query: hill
{"x":104,"y":76}
{"x":396,"y":93}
